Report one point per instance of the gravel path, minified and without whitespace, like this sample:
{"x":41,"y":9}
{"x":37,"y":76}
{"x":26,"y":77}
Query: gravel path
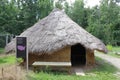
{"x":114,"y":61}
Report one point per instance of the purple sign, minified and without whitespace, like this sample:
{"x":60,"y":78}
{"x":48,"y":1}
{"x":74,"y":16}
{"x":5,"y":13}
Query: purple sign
{"x":21,"y":47}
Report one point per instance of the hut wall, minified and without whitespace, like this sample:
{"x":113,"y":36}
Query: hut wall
{"x":62,"y":55}
{"x":90,"y":58}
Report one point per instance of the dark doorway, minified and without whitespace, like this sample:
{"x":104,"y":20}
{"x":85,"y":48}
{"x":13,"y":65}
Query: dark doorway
{"x":78,"y":55}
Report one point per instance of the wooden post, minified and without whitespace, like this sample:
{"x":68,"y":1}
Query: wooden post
{"x":6,"y":39}
{"x":11,"y":37}
{"x":27,"y":55}
{"x":2,"y":74}
{"x":90,"y":58}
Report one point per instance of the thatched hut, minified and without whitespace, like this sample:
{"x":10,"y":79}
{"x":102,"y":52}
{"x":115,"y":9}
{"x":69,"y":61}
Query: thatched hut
{"x":57,"y":38}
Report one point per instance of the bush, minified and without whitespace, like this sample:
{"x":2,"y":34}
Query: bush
{"x":2,"y":42}
{"x":109,"y":47}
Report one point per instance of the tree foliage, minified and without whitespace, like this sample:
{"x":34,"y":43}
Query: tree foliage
{"x":102,"y":21}
{"x":77,"y":12}
{"x":17,"y":15}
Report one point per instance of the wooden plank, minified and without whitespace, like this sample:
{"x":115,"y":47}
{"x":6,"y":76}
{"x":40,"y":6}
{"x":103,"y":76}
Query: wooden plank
{"x":51,"y":64}
{"x":60,"y":66}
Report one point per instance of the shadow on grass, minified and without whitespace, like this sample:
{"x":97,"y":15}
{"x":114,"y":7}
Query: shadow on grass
{"x":47,"y":75}
{"x":54,"y":72}
{"x":103,"y":66}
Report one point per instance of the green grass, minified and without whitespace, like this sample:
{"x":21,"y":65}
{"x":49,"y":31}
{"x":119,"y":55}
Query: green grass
{"x":117,"y":49}
{"x":52,"y":76}
{"x":9,"y":59}
{"x":6,"y":59}
{"x":103,"y":66}
{"x":1,"y":50}
{"x":113,"y":54}
{"x":46,"y":76}
{"x":102,"y":71}
{"x":114,"y":51}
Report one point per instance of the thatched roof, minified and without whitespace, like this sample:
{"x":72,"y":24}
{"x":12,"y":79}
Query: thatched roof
{"x":55,"y":32}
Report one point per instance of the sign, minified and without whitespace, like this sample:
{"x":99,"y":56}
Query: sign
{"x":21,"y":47}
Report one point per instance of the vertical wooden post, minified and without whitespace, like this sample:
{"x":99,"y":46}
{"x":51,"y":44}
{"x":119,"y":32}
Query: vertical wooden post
{"x":11,"y":37}
{"x":2,"y":74}
{"x":6,"y":39}
{"x":27,"y":63}
{"x":90,"y":58}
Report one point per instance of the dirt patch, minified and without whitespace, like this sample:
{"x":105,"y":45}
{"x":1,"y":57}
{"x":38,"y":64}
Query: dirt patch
{"x":12,"y":72}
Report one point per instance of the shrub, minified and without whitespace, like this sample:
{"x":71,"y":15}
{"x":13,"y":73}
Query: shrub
{"x":109,"y":47}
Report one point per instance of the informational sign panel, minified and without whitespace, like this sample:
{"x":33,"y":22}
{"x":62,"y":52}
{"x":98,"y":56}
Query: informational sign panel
{"x":21,"y":47}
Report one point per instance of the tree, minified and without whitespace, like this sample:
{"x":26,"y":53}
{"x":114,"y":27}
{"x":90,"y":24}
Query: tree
{"x":17,"y":15}
{"x":32,"y":10}
{"x":94,"y":23}
{"x":60,"y":4}
{"x":8,"y":13}
{"x":78,"y":13}
{"x":104,"y":21}
{"x":109,"y":18}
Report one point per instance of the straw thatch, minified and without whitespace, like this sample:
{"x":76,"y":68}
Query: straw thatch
{"x":55,"y":32}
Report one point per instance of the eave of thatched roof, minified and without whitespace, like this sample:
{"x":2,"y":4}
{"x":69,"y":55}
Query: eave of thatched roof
{"x":56,"y":31}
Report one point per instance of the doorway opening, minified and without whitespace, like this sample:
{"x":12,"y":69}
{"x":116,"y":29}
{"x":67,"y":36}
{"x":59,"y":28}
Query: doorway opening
{"x":78,"y":55}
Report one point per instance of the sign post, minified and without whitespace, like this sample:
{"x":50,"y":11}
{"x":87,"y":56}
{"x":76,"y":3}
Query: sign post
{"x":21,"y":49}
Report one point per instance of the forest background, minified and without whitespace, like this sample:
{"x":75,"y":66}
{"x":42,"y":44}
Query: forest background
{"x":102,"y":21}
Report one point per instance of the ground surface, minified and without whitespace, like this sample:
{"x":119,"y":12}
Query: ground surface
{"x":113,"y":60}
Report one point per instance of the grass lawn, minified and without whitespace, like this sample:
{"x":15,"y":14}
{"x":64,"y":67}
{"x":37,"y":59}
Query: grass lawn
{"x":6,"y":60}
{"x":114,"y":51}
{"x":102,"y":71}
{"x":52,"y":76}
{"x":117,"y":49}
{"x":1,"y":50}
{"x":103,"y":66}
